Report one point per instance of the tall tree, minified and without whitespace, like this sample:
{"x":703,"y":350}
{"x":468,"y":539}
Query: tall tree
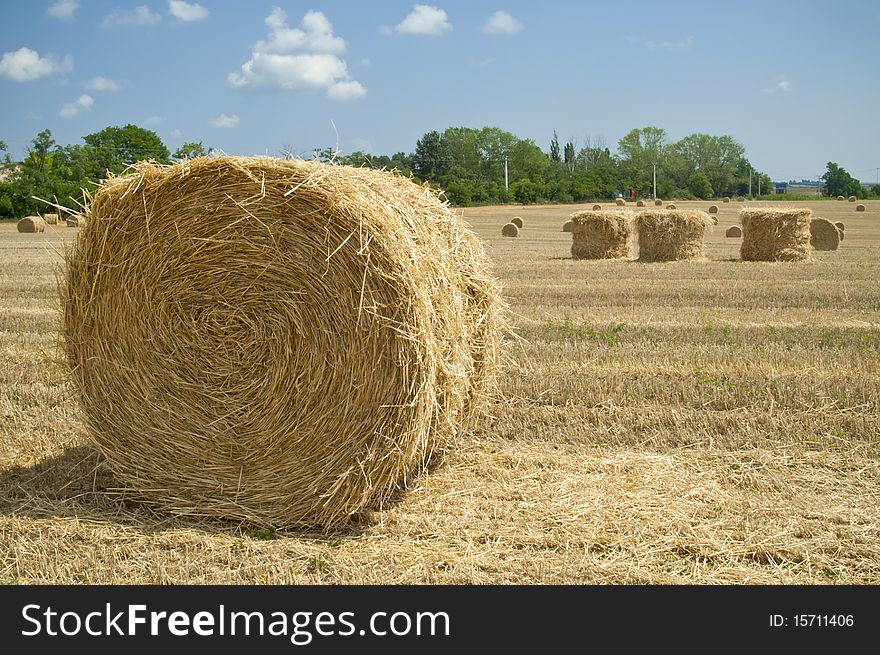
{"x":639,"y":151}
{"x":40,"y":150}
{"x":554,"y":147}
{"x":190,"y":150}
{"x":569,"y":156}
{"x":116,"y":148}
{"x":431,"y":158}
{"x":840,"y":183}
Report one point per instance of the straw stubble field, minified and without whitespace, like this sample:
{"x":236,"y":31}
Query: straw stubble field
{"x":691,"y":422}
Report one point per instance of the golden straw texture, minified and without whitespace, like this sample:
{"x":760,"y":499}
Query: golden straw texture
{"x":671,"y":235}
{"x":31,"y":224}
{"x":278,"y":342}
{"x":823,"y":234}
{"x":600,"y":234}
{"x":775,"y":234}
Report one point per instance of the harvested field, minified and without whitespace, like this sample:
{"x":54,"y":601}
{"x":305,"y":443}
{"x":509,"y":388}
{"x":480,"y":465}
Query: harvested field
{"x":687,"y":423}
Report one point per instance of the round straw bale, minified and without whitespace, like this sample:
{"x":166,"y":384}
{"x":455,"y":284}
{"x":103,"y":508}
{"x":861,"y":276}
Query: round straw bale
{"x":775,"y":234}
{"x":510,"y":230}
{"x":597,"y":208}
{"x":860,"y":208}
{"x":566,"y":227}
{"x":840,"y":232}
{"x":725,"y":199}
{"x":671,"y":235}
{"x":823,"y":234}
{"x":733,"y":231}
{"x":640,"y":203}
{"x":670,"y":206}
{"x":658,"y":202}
{"x":601,"y":234}
{"x":620,"y":202}
{"x":852,"y":198}
{"x":276,"y":342}
{"x":841,"y":198}
{"x":714,"y":219}
{"x":713,"y":209}
{"x":51,"y":218}
{"x":517,"y":220}
{"x":740,"y":199}
{"x":31,"y":224}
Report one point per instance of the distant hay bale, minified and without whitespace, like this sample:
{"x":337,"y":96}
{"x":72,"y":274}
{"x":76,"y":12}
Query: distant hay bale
{"x":51,"y":218}
{"x":733,"y":231}
{"x":510,"y":230}
{"x":840,"y":232}
{"x":601,"y":234}
{"x":658,"y":202}
{"x":283,"y":343}
{"x":841,"y":198}
{"x":713,"y":209}
{"x":714,"y":219}
{"x":516,"y":220}
{"x":775,"y":234}
{"x":823,"y":234}
{"x":671,"y":235}
{"x":860,"y":208}
{"x":620,"y":202}
{"x":725,"y":199}
{"x":740,"y":199}
{"x":670,"y":206}
{"x":640,"y":203}
{"x":852,"y":198}
{"x":566,"y":227}
{"x":31,"y":224}
{"x":597,"y":208}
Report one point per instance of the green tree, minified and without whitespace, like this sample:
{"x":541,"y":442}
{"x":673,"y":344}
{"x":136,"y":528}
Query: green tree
{"x":190,"y":150}
{"x":554,"y":147}
{"x":639,"y":151}
{"x":39,"y":154}
{"x":700,"y":185}
{"x":116,"y":148}
{"x":840,"y":183}
{"x":431,"y":158}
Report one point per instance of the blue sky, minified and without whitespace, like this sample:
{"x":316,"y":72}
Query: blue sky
{"x":795,"y":82}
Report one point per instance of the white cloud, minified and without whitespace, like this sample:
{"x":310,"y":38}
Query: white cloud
{"x":153,"y":120}
{"x":425,"y":19}
{"x":141,"y":15}
{"x":293,"y":59}
{"x":502,"y":23}
{"x":102,"y":84}
{"x":63,"y":9}
{"x":176,"y":133}
{"x":71,"y":109}
{"x":224,"y":121}
{"x":671,"y":45}
{"x":25,"y":65}
{"x":783,"y":86}
{"x":187,"y":12}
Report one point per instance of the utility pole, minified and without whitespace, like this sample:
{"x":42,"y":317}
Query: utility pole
{"x":505,"y":175}
{"x":655,"y":180}
{"x":759,"y":185}
{"x":750,"y":180}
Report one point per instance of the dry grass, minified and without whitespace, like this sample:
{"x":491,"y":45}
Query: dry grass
{"x":278,"y":342}
{"x":696,"y":423}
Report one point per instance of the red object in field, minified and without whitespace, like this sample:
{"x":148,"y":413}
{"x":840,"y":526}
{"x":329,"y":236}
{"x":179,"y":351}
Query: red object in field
{"x":632,"y":193}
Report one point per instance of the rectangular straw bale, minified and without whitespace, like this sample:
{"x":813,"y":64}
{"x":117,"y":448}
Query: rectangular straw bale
{"x":601,"y":234}
{"x":775,"y":234}
{"x":671,"y":234}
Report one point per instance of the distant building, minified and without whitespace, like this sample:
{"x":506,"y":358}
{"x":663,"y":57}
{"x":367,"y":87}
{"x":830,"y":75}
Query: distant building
{"x":802,"y":188}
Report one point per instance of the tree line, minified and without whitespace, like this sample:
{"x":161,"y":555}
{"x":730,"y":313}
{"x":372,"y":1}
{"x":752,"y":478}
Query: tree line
{"x":471,"y":166}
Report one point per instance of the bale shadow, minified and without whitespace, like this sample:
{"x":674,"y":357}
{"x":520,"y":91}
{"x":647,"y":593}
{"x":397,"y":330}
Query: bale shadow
{"x":78,"y":484}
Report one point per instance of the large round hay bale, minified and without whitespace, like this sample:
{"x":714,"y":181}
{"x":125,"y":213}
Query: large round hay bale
{"x":517,"y":220}
{"x":640,"y":203}
{"x":620,"y":202}
{"x":658,"y":202}
{"x":31,"y":224}
{"x":671,"y":235}
{"x":713,"y":209}
{"x":852,"y":198}
{"x":51,"y":218}
{"x":775,"y":234}
{"x":823,"y":234}
{"x":566,"y":227}
{"x":597,"y":208}
{"x":860,"y":208}
{"x":510,"y":230}
{"x":601,"y":234}
{"x":670,"y":206}
{"x":277,"y":342}
{"x":841,"y":198}
{"x":733,"y":231}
